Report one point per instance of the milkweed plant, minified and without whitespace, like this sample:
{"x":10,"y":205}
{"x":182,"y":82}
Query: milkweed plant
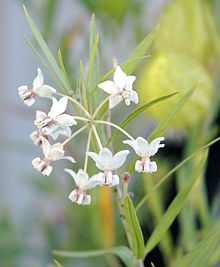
{"x":92,"y":107}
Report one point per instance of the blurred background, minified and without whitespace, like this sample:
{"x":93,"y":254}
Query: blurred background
{"x":35,"y":213}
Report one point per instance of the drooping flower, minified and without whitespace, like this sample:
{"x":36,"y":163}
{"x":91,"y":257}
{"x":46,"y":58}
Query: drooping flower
{"x":83,"y":182}
{"x":145,"y":150}
{"x":55,"y":123}
{"x":38,"y":89}
{"x":51,"y":153}
{"x":120,"y":89}
{"x":108,"y":163}
{"x":36,"y":137}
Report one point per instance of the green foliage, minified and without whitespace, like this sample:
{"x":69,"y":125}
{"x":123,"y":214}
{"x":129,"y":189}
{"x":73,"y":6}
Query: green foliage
{"x":122,"y":252}
{"x":137,"y":240}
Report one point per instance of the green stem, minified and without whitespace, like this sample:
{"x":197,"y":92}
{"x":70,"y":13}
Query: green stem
{"x":99,"y":107}
{"x":87,"y":149}
{"x":74,"y":134}
{"x":97,"y":137}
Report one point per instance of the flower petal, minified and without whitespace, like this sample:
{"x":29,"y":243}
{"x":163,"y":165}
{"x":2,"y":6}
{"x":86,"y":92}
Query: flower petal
{"x":82,"y":179}
{"x":106,"y":158}
{"x":139,"y":166}
{"x":120,"y":78}
{"x":58,"y":107}
{"x":46,"y":146}
{"x":56,"y":153}
{"x":38,"y":81}
{"x":115,"y":180}
{"x":22,"y":89}
{"x":70,"y":159}
{"x":109,"y":87}
{"x":29,"y":102}
{"x":97,"y":160}
{"x":40,"y":116}
{"x":72,"y":173}
{"x":47,"y":170}
{"x":134,"y":97}
{"x":114,"y":100}
{"x":66,"y":119}
{"x":129,"y":82}
{"x":152,"y":166}
{"x":119,"y":159}
{"x":155,"y":145}
{"x":97,"y":179}
{"x":45,"y":91}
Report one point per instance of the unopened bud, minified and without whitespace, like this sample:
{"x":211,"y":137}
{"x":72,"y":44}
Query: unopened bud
{"x":126,"y":177}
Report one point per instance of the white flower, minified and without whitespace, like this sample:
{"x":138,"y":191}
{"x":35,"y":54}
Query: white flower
{"x":51,"y":153}
{"x":38,"y":88}
{"x":120,"y":89}
{"x":55,"y":123}
{"x":108,"y":163}
{"x":36,"y":137}
{"x":83,"y":182}
{"x":145,"y":150}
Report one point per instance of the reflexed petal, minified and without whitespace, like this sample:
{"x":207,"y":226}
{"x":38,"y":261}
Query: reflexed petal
{"x":97,"y":179}
{"x":129,"y":82}
{"x":114,"y":100}
{"x":58,"y":107}
{"x":38,"y":81}
{"x":106,"y":158}
{"x":56,"y":154}
{"x":96,"y":158}
{"x":66,"y":129}
{"x":152,"y":166}
{"x":45,"y":91}
{"x":120,"y":78}
{"x":47,"y":170}
{"x":66,"y":119}
{"x":70,"y":159}
{"x":120,"y":158}
{"x":82,"y":179}
{"x":72,"y":173}
{"x":134,"y":97}
{"x":109,"y":87}
{"x":46,"y":146}
{"x":29,"y":102}
{"x":155,"y":145}
{"x":142,"y":146}
{"x":133,"y":144}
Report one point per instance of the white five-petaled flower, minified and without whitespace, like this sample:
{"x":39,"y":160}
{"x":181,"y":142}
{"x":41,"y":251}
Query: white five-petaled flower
{"x":120,"y":89}
{"x":55,"y":123}
{"x":145,"y":150}
{"x":51,"y":153}
{"x":83,"y":182}
{"x":38,"y":88}
{"x":108,"y":163}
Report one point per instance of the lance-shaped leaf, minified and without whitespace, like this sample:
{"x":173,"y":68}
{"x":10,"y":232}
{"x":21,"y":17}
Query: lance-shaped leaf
{"x":175,"y":207}
{"x":137,"y":240}
{"x":124,"y":253}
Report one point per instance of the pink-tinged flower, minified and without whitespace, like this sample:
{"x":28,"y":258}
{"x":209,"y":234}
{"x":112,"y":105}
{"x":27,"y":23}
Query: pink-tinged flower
{"x":83,"y":182}
{"x":55,"y":123}
{"x":36,"y":137}
{"x":108,"y":163}
{"x":38,"y":89}
{"x":51,"y":153}
{"x":145,"y":150}
{"x":120,"y":88}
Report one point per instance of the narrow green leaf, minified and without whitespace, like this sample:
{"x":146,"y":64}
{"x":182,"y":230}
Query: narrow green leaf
{"x":57,"y":263}
{"x":130,"y":65}
{"x":175,"y":207}
{"x":45,"y":49}
{"x":165,"y":123}
{"x":134,"y":228}
{"x":124,"y":253}
{"x":199,"y":256}
{"x":138,"y":111}
{"x":84,"y":94}
{"x":178,"y":166}
{"x":60,"y":59}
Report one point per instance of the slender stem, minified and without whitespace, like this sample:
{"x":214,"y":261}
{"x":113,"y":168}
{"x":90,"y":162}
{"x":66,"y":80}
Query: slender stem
{"x":79,"y":118}
{"x":99,"y":107}
{"x":77,"y":103}
{"x":74,"y":134}
{"x":87,"y":149}
{"x":115,"y":126}
{"x":97,"y":137}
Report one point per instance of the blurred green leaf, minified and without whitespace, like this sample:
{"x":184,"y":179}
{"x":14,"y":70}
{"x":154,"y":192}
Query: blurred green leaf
{"x":199,"y":256}
{"x":60,"y":59}
{"x":175,"y":207}
{"x":124,"y":253}
{"x":82,"y":79}
{"x":138,"y":111}
{"x":46,"y":50}
{"x":137,"y":240}
{"x":57,"y":263}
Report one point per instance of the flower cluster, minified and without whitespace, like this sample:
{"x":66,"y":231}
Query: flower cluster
{"x":56,"y":123}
